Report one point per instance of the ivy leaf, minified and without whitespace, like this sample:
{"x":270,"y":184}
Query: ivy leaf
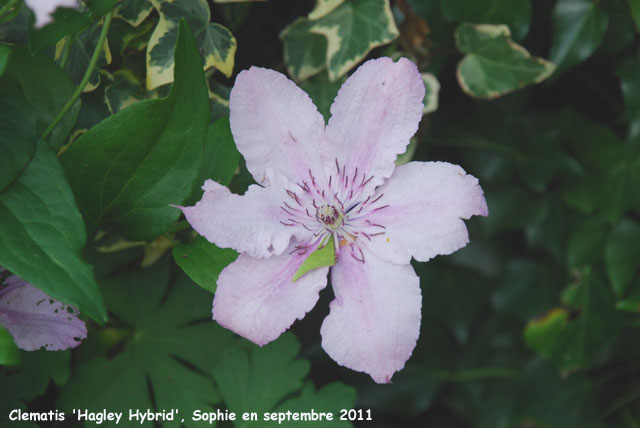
{"x":622,"y":255}
{"x":46,"y":88}
{"x":42,"y":235}
{"x":432,"y":89}
{"x":516,"y":14}
{"x":260,"y":378}
{"x":133,"y":11}
{"x":304,"y":51}
{"x":80,"y":55}
{"x":324,"y":256}
{"x":203,"y":261}
{"x":167,"y":356}
{"x":579,"y":27}
{"x":494,"y":64}
{"x":111,"y":177}
{"x":217,"y":43}
{"x":125,"y":90}
{"x":323,"y":8}
{"x":352,"y":30}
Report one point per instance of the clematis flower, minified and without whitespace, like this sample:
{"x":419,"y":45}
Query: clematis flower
{"x":35,"y":320}
{"x":337,"y":182}
{"x":44,"y":8}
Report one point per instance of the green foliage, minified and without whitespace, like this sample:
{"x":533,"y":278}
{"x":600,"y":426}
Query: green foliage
{"x":514,"y":13}
{"x":323,"y":256}
{"x":203,"y":261}
{"x":304,"y":51}
{"x":105,"y":157}
{"x":494,"y":64}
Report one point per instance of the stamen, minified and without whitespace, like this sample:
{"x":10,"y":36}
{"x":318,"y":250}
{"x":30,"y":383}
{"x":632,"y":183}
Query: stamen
{"x":355,"y":175}
{"x":380,"y":208}
{"x":285,"y":210}
{"x":337,"y":166}
{"x":330,"y":177}
{"x":364,"y":183}
{"x":377,"y":199}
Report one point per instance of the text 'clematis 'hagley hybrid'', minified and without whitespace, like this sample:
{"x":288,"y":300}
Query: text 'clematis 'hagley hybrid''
{"x":35,"y":320}
{"x":337,"y":182}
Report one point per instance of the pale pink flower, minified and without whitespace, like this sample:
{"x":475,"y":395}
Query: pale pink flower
{"x":44,"y":8}
{"x":35,"y":320}
{"x":338,"y":181}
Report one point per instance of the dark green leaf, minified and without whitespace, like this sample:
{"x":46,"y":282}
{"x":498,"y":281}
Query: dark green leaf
{"x":220,"y":154}
{"x":635,"y":12}
{"x":5,"y":51}
{"x":134,"y":11}
{"x":42,"y":235}
{"x":622,"y":255}
{"x":131,"y":186}
{"x":629,"y":74}
{"x":578,"y":30}
{"x":203,"y":261}
{"x":9,"y":354}
{"x":494,"y":64}
{"x":66,"y":22}
{"x":82,"y":49}
{"x":100,"y":7}
{"x":514,"y":13}
{"x":322,"y":91}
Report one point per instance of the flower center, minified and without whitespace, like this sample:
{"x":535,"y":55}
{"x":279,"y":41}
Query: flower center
{"x":329,"y":215}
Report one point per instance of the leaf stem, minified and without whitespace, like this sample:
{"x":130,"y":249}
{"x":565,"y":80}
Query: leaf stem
{"x":85,"y":78}
{"x":68,"y":44}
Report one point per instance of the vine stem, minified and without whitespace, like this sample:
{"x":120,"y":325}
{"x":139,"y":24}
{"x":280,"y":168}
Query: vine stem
{"x":85,"y":78}
{"x":68,"y":44}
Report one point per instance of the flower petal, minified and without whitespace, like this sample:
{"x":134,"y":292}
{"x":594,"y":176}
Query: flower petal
{"x":249,"y":223}
{"x":374,"y":321}
{"x":257,"y":299}
{"x":376,"y":112}
{"x":35,"y":320}
{"x":427,"y":202}
{"x":275,"y":125}
{"x":44,"y":8}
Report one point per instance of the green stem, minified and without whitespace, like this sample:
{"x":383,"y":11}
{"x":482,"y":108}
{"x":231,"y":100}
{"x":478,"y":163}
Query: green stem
{"x":68,"y":44}
{"x":7,"y":7}
{"x":85,"y":78}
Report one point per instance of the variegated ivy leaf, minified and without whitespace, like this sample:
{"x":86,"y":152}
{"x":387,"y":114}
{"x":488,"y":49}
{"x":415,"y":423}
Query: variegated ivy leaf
{"x":81,"y":51}
{"x":217,"y":44}
{"x":304,"y":51}
{"x":123,"y":91}
{"x":352,"y":30}
{"x":495,"y":65}
{"x":432,"y":89}
{"x":133,"y":11}
{"x":324,"y":7}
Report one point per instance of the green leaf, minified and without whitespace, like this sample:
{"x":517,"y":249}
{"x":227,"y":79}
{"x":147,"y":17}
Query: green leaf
{"x":585,"y":245}
{"x":330,"y":399}
{"x":324,"y":256}
{"x":65,"y":22}
{"x":542,"y":334}
{"x":42,"y":235}
{"x":514,"y":13}
{"x":125,"y":90}
{"x":635,"y":12}
{"x":111,"y":177}
{"x":217,"y":43}
{"x":323,"y":8}
{"x":304,"y":51}
{"x":619,"y":36}
{"x":203,"y":261}
{"x":133,"y":11}
{"x":46,"y":88}
{"x":258,"y":379}
{"x":167,"y":357}
{"x":579,"y":27}
{"x":622,"y":255}
{"x":220,"y":155}
{"x":5,"y":51}
{"x":494,"y":65}
{"x":18,"y":135}
{"x":432,"y":90}
{"x":99,"y":8}
{"x":629,"y":74}
{"x":352,"y":30}
{"x":9,"y":353}
{"x":82,"y":49}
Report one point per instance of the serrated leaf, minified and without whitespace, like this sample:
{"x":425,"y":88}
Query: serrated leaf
{"x":46,"y":88}
{"x":323,"y":256}
{"x":203,"y":261}
{"x":258,"y":379}
{"x":622,"y":255}
{"x":579,"y":27}
{"x":133,"y":11}
{"x":494,"y":65}
{"x":217,"y":44}
{"x":304,"y":51}
{"x":82,"y":49}
{"x":42,"y":235}
{"x":516,"y":14}
{"x":352,"y":30}
{"x":168,"y":353}
{"x":111,"y":177}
